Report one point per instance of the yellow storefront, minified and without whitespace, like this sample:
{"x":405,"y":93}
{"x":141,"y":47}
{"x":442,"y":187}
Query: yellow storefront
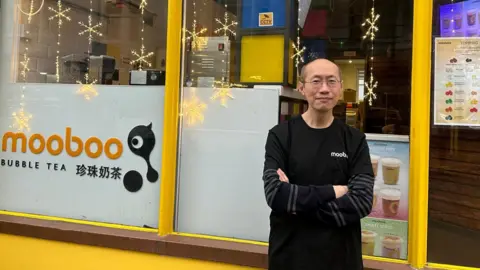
{"x":133,"y":130}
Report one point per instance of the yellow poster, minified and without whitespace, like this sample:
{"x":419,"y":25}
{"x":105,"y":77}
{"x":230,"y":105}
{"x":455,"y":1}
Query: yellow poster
{"x":457,"y":81}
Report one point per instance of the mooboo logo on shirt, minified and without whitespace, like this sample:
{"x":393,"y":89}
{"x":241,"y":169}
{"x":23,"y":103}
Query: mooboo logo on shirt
{"x":140,"y":141}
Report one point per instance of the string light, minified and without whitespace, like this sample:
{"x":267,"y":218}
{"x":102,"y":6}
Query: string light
{"x":90,"y":28}
{"x":21,"y":117}
{"x":371,"y":22}
{"x":143,"y":56}
{"x":193,"y":36}
{"x":193,"y":109}
{"x":371,"y":84}
{"x":21,"y":120}
{"x":222,"y":91}
{"x":31,"y":13}
{"x":60,"y":14}
{"x":225,"y":25}
{"x":87,"y":88}
{"x":298,"y":50}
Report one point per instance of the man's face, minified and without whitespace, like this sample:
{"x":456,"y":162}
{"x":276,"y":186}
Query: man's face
{"x":322,"y":86}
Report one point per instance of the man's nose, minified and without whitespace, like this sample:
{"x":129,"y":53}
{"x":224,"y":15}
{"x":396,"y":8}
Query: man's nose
{"x":324,"y":88}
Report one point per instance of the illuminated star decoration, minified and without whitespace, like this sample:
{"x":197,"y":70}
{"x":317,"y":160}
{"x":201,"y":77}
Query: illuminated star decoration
{"x":87,"y":89}
{"x":371,"y":22}
{"x":90,"y":29}
{"x":298,"y":53}
{"x":193,"y":110}
{"x":370,"y":86}
{"x":21,"y":119}
{"x":225,"y":26}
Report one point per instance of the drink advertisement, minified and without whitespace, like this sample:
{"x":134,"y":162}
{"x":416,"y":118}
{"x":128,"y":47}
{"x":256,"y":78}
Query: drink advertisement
{"x":457,"y":83}
{"x":460,"y":19}
{"x":385,"y":230}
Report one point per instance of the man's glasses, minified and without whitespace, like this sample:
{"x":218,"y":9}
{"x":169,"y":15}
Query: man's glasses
{"x":331,"y":82}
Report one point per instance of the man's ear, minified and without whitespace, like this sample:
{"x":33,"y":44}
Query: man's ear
{"x":300,"y":86}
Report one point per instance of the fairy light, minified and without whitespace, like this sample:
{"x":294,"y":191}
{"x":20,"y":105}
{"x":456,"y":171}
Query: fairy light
{"x":298,"y":50}
{"x":21,"y":120}
{"x":60,"y":14}
{"x":222,"y":90}
{"x":225,"y":25}
{"x":90,"y":28}
{"x":193,"y":109}
{"x":194,"y":36}
{"x":31,"y":13}
{"x":87,"y":88}
{"x":371,"y":84}
{"x":143,"y":56}
{"x":21,"y":117}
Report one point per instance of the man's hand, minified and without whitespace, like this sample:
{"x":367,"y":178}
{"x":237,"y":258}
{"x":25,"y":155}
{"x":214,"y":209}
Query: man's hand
{"x":282,"y":175}
{"x":340,"y":191}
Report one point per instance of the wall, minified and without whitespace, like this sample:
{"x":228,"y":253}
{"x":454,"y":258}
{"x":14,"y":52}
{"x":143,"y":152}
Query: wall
{"x":22,"y":253}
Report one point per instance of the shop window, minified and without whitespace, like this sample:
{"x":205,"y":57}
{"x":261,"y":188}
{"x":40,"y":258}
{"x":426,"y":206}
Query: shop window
{"x":239,"y":79}
{"x":454,"y":190}
{"x":82,"y":114}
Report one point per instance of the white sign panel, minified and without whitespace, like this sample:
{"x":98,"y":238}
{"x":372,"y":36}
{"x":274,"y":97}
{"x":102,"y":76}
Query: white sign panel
{"x":95,"y":159}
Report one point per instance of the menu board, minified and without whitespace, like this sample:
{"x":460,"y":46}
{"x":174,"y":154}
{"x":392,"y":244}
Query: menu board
{"x":385,"y":230}
{"x":457,"y":81}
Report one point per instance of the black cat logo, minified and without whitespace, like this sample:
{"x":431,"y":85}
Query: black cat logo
{"x":141,"y":141}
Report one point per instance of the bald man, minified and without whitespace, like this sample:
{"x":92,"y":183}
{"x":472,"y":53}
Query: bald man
{"x":318,"y":181}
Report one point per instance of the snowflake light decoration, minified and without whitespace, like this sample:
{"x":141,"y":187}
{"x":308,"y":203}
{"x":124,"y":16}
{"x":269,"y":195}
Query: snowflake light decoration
{"x":371,"y":22}
{"x":87,"y":89}
{"x":226,"y":27}
{"x":370,"y":86}
{"x":21,"y":119}
{"x":59,"y":13}
{"x":142,"y":58}
{"x":90,"y":28}
{"x":298,"y":53}
{"x":193,"y":110}
{"x":194,"y":37}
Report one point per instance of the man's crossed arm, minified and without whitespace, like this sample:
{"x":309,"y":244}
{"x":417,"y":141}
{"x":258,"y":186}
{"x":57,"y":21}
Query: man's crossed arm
{"x":336,"y":205}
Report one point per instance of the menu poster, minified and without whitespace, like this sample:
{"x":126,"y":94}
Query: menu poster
{"x":385,"y":230}
{"x":384,"y":238}
{"x":457,"y":81}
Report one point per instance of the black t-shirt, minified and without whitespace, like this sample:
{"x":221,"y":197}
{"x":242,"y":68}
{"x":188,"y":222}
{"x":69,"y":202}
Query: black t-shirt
{"x":309,"y":228}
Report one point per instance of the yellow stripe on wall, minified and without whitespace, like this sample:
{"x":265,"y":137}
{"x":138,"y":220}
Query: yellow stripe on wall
{"x":23,"y":253}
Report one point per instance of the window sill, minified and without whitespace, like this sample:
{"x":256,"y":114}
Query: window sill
{"x":171,"y":245}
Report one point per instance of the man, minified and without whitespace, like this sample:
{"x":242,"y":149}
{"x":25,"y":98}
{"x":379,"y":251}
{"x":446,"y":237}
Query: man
{"x":318,"y":181}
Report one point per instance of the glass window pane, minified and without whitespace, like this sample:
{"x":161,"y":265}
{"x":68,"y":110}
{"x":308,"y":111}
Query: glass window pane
{"x":239,"y":82}
{"x":81,"y":123}
{"x":454,"y":190}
